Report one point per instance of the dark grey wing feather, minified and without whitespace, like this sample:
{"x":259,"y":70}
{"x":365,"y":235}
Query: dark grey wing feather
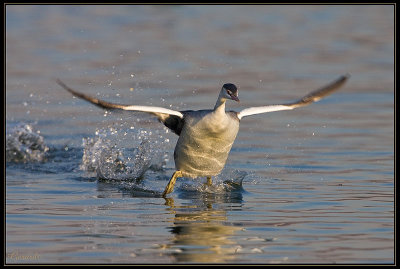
{"x":306,"y":100}
{"x":172,"y":122}
{"x":172,"y":119}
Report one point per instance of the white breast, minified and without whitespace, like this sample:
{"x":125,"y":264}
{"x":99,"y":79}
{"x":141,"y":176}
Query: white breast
{"x":204,"y":143}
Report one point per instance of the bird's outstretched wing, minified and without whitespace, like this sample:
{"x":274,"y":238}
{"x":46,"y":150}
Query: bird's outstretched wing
{"x":306,"y":100}
{"x":171,"y":118}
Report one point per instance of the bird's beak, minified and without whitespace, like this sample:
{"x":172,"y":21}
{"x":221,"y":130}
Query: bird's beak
{"x":234,"y":97}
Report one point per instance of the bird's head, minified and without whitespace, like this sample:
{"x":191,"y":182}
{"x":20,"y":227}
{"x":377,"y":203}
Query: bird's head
{"x":229,"y":91}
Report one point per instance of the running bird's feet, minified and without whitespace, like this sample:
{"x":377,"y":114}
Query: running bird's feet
{"x":170,"y":187}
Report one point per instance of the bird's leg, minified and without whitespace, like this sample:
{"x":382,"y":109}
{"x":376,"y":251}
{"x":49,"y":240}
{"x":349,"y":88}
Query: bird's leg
{"x":171,"y":183}
{"x":209,"y":181}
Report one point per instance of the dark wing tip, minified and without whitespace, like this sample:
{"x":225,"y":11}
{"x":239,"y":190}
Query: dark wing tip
{"x":75,"y":93}
{"x":95,"y":101}
{"x":62,"y":84}
{"x":342,"y":79}
{"x":322,"y":92}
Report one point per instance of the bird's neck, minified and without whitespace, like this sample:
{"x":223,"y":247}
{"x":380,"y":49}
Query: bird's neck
{"x":220,"y":105}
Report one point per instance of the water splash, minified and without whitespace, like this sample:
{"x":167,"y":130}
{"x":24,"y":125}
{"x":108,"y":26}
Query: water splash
{"x":23,"y":145}
{"x":124,"y":154}
{"x":227,"y":181}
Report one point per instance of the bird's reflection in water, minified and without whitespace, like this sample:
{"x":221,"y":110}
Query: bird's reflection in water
{"x":202,"y":233}
{"x":200,"y":227}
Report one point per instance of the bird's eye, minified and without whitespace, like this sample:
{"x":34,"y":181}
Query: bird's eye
{"x":229,"y":92}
